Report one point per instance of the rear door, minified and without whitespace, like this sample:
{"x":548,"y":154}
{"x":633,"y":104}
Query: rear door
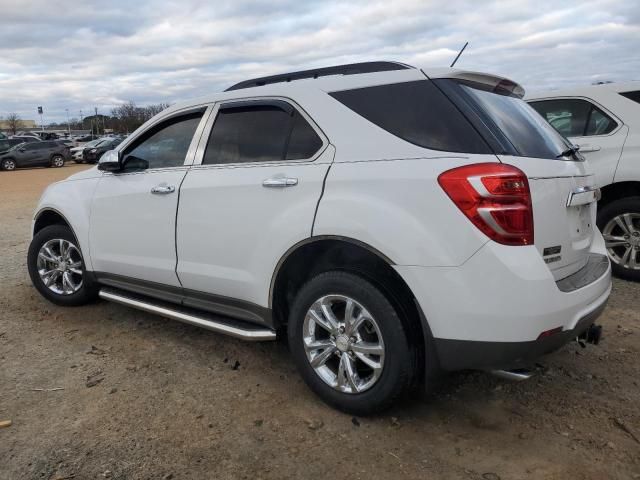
{"x":598,"y":133}
{"x":253,"y":196}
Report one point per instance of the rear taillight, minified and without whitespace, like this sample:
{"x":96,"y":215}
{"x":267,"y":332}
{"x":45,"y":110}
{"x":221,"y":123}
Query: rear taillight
{"x":495,"y":197}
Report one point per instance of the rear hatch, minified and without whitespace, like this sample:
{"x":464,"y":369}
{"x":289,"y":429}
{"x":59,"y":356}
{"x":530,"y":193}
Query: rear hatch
{"x":562,"y":186}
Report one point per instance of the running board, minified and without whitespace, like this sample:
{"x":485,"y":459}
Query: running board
{"x":514,"y":375}
{"x":211,"y":322}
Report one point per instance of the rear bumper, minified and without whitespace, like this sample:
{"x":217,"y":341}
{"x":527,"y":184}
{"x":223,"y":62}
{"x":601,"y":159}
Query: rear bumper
{"x":490,"y":311}
{"x":465,"y":354}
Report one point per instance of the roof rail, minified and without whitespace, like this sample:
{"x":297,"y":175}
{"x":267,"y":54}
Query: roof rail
{"x":349,"y":69}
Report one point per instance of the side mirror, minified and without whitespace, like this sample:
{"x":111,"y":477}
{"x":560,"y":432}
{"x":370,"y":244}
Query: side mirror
{"x":110,"y":162}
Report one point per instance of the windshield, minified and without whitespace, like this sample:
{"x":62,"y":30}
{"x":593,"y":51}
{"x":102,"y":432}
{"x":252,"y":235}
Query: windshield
{"x":529,"y":134}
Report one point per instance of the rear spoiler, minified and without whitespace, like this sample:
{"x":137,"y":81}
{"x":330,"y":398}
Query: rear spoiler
{"x":495,"y":83}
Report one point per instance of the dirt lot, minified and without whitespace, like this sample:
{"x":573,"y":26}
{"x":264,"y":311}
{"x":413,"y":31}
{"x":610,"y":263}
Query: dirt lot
{"x":172,"y":401}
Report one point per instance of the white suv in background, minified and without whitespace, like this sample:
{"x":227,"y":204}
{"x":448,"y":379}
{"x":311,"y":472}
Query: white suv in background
{"x":393,"y":221}
{"x":604,"y":120}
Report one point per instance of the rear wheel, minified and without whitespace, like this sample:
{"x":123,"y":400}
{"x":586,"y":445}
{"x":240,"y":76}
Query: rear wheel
{"x":619,"y":222}
{"x":349,"y":343}
{"x":57,"y":268}
{"x":9,"y":164}
{"x":57,"y":161}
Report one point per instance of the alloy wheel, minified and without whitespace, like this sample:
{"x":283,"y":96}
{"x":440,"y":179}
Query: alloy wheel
{"x":8,"y":165}
{"x":59,"y":266}
{"x":343,"y":344}
{"x":622,"y":239}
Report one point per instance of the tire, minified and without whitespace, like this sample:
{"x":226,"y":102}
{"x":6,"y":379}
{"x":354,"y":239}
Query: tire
{"x":620,"y":220}
{"x":57,"y":161}
{"x":371,"y":394}
{"x":8,"y":164}
{"x":79,"y":289}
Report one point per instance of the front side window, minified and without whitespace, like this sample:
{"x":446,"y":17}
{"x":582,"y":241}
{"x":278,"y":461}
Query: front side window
{"x":573,"y":117}
{"x":268,"y":132}
{"x":164,"y":145}
{"x":417,"y":112}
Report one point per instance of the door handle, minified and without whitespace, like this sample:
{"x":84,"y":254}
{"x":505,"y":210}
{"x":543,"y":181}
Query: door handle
{"x":589,"y":148}
{"x":280,"y":182}
{"x":163,"y":189}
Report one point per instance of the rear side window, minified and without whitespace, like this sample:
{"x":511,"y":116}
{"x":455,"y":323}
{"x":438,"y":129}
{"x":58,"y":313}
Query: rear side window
{"x":573,"y":117}
{"x":635,"y":95}
{"x":260,"y":133}
{"x":417,"y":112}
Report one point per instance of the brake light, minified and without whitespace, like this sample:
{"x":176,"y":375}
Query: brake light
{"x":495,"y":197}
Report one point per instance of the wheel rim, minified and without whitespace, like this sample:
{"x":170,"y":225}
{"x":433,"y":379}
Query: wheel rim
{"x":622,"y":239}
{"x":9,"y":165}
{"x":60,"y":266}
{"x":57,"y":161}
{"x":343,"y":344}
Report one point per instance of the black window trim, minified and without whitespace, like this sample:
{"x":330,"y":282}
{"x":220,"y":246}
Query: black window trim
{"x":594,"y":104}
{"x":257,"y":101}
{"x":191,"y":152}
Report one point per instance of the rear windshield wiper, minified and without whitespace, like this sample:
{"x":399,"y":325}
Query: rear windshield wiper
{"x":572,"y":150}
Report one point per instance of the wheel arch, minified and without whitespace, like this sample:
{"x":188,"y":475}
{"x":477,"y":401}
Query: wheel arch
{"x":49,"y":216}
{"x":618,"y":190}
{"x":324,"y":253}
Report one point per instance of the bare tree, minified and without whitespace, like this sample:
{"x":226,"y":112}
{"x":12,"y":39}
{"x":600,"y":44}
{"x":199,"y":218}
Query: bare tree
{"x":129,"y":116}
{"x":14,"y":121}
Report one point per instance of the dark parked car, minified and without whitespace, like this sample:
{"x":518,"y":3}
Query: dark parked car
{"x":93,"y":154}
{"x":27,"y":138}
{"x":7,"y":143}
{"x":49,"y":153}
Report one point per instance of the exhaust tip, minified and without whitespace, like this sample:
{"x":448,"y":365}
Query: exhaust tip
{"x":517,"y":375}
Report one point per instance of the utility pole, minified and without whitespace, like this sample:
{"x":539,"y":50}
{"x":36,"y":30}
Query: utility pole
{"x":40,"y":111}
{"x":68,"y":123}
{"x":96,"y":117}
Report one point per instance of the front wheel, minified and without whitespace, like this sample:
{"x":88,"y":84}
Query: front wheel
{"x":619,"y":222}
{"x":56,"y":267}
{"x":349,"y":343}
{"x":9,"y":164}
{"x":57,"y":161}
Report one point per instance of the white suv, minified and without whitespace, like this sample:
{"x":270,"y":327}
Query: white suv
{"x":395,"y":222}
{"x":604,"y":120}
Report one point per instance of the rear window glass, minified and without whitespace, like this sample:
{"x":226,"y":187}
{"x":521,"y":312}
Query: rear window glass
{"x":417,"y":112}
{"x":529,"y":134}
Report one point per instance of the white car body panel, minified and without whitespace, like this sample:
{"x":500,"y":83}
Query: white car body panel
{"x":232,"y":230}
{"x":614,"y":157}
{"x":132,"y":232}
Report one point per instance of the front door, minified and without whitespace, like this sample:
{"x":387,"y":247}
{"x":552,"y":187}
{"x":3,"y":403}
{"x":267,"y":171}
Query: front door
{"x":254,"y":196}
{"x":133,"y":212}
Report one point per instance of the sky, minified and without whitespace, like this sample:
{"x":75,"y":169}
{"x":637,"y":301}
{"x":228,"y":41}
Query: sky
{"x":78,"y":55}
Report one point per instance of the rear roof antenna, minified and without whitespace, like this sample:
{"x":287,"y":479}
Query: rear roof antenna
{"x":459,"y":53}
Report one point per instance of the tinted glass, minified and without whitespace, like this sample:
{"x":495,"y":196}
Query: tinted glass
{"x":567,"y":116}
{"x":165,"y":145}
{"x":260,"y":133}
{"x":635,"y":95}
{"x":304,"y":141}
{"x":599,"y":123}
{"x":523,"y":127}
{"x":417,"y":112}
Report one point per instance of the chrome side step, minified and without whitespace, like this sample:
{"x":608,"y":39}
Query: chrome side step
{"x":192,"y":317}
{"x":514,"y":375}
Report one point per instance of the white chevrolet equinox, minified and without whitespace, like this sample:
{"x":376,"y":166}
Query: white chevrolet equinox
{"x":394,"y":222}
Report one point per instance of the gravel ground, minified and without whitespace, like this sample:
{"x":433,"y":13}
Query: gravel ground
{"x":108,"y":392}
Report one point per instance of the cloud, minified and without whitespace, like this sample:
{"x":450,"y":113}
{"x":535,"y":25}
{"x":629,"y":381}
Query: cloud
{"x":77,"y":55}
